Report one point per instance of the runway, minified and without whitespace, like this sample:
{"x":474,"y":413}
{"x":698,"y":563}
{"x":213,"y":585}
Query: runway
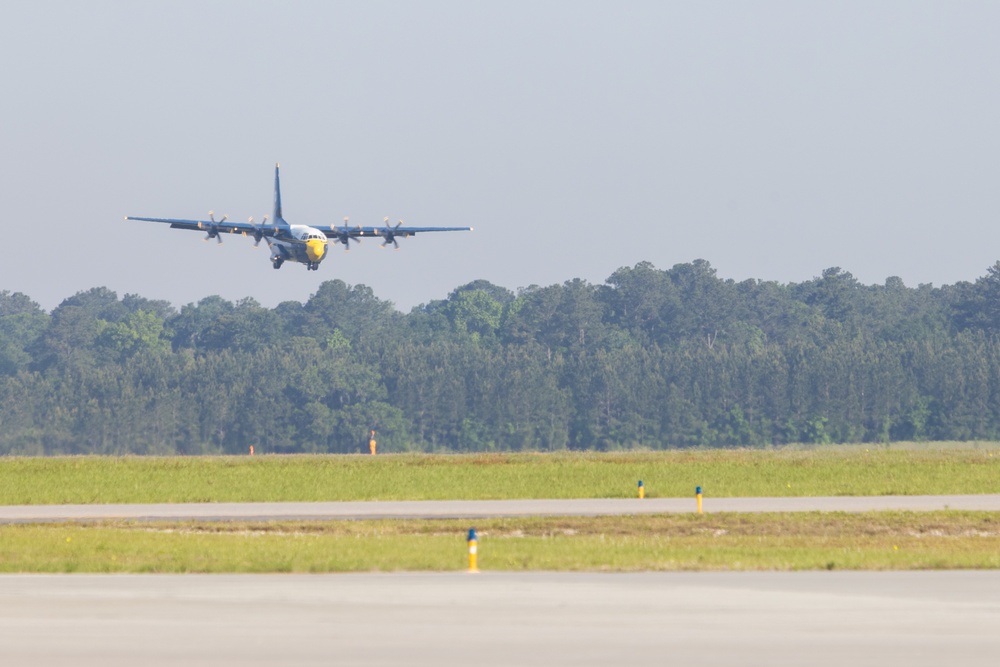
{"x":704,"y":619}
{"x":475,"y":509}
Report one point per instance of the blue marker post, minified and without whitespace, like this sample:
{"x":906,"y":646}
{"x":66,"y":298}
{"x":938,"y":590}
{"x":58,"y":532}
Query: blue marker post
{"x":697,"y":494}
{"x":473,"y":542}
{"x":642,"y":491}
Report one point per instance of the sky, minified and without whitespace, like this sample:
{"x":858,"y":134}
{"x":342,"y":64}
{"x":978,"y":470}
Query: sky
{"x":773,"y":139}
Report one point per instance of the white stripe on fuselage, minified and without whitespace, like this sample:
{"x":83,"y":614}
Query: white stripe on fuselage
{"x":304,"y":232}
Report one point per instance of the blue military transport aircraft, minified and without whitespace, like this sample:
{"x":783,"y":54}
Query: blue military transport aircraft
{"x":297,"y":243}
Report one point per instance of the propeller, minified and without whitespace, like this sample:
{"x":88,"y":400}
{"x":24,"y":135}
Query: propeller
{"x":344,"y":236}
{"x":257,"y":232}
{"x":213,"y":227}
{"x":390,"y":233}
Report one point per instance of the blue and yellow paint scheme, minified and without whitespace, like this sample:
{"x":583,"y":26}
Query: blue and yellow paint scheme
{"x":297,"y":243}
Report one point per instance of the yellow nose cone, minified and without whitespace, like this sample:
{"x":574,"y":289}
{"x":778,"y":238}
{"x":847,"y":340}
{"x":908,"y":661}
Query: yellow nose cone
{"x":315,"y":249}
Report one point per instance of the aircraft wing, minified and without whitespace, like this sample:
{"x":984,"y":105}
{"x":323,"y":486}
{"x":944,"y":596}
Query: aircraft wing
{"x":386,"y":232}
{"x":213,"y":227}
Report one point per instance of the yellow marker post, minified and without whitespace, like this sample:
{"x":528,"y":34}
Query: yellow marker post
{"x":473,"y":543}
{"x":697,"y":494}
{"x":642,"y":490}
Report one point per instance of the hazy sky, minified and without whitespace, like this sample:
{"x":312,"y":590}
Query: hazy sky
{"x":774,"y":139}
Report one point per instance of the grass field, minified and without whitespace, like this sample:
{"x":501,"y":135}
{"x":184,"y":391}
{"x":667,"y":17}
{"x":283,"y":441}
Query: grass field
{"x":874,"y":541}
{"x":934,"y":468}
{"x":887,"y":540}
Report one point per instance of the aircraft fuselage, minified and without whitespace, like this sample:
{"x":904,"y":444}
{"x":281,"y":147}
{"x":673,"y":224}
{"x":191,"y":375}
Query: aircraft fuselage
{"x":298,"y":243}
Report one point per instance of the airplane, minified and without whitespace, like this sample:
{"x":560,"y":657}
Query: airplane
{"x":297,"y":243}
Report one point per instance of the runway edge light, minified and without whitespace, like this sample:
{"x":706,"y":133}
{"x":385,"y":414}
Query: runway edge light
{"x":697,"y":494}
{"x":642,"y":490}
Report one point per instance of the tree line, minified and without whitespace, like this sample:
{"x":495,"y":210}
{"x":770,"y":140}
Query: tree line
{"x":650,"y":358}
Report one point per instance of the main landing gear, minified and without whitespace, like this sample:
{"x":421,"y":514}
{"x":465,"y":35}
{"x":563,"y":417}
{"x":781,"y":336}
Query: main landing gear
{"x":278,"y":261}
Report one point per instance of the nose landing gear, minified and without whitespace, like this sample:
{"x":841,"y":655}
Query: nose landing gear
{"x":277,"y":262}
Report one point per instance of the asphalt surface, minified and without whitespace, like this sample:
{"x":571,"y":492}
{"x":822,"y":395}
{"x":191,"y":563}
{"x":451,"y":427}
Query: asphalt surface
{"x":474,"y":509}
{"x":704,"y":619}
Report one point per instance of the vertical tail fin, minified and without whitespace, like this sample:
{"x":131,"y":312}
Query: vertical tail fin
{"x":276,"y":218}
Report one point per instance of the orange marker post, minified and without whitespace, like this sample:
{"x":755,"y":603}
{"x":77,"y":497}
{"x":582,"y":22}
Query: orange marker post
{"x":251,"y":450}
{"x":473,"y":548}
{"x":371,"y":443}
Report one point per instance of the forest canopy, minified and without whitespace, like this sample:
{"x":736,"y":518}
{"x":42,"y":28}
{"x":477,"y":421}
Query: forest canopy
{"x":650,"y":358}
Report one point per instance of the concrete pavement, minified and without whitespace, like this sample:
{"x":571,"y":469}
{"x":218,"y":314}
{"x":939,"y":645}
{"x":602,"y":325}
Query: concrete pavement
{"x":475,"y":509}
{"x":823,"y":619}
